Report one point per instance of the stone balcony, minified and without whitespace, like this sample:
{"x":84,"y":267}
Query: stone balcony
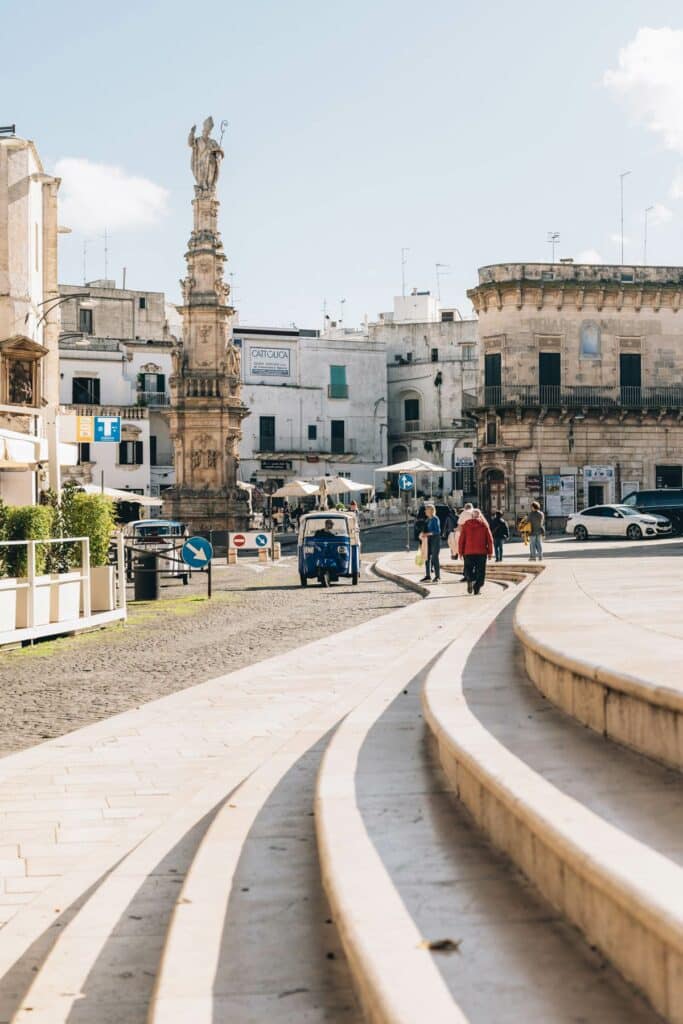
{"x":530,"y":396}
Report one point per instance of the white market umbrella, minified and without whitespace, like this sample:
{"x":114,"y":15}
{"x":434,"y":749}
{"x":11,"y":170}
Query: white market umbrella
{"x":412,"y":466}
{"x":342,"y":485}
{"x":296,"y":489}
{"x":116,"y":495}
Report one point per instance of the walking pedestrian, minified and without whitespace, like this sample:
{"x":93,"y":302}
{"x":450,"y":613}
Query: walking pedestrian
{"x":500,"y":533}
{"x":432,"y":533}
{"x":537,"y":523}
{"x":462,"y":518}
{"x":475,"y":545}
{"x":449,"y":528}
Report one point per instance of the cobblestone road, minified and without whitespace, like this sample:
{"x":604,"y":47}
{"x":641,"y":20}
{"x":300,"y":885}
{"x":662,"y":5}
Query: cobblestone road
{"x":62,"y":685}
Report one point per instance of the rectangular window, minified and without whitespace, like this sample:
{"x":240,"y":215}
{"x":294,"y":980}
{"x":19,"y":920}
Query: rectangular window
{"x":338,"y":386}
{"x":153,"y":382}
{"x":312,"y":432}
{"x":83,"y":453}
{"x":266,"y":430}
{"x":491,"y":432}
{"x":130,"y":453}
{"x":492,"y":378}
{"x":337,"y":438}
{"x":468,"y":352}
{"x":85,"y":390}
{"x":152,"y":450}
{"x":435,"y":355}
{"x":85,"y":321}
{"x":409,"y":357}
{"x":142,"y":302}
{"x":411,"y":413}
{"x":446,"y":316}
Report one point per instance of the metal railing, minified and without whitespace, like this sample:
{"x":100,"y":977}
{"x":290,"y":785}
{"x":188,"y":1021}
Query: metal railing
{"x":575,"y":396}
{"x":161,"y":398}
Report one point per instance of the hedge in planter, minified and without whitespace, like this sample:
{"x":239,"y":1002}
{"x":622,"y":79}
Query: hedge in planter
{"x":91,"y":516}
{"x":27,"y":522}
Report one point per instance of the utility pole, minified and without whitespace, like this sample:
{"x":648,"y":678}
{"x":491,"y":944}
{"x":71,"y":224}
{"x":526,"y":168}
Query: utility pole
{"x":648,"y":210}
{"x":441,"y":270}
{"x":553,"y":239}
{"x":404,"y":260}
{"x":624,"y":174}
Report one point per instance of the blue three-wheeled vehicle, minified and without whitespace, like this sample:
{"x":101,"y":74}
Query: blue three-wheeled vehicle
{"x":329,"y":547}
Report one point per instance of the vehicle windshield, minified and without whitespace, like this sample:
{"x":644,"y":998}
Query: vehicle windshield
{"x":322,"y":528}
{"x":158,"y":530}
{"x":626,"y":511}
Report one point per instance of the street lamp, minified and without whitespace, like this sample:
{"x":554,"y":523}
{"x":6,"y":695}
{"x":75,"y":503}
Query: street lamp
{"x":52,"y":304}
{"x":553,"y":239}
{"x":624,"y":174}
{"x":648,"y":210}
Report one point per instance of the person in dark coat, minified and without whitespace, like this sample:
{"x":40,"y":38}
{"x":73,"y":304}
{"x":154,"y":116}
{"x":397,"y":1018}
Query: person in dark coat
{"x":432,"y":533}
{"x":475,"y":545}
{"x":500,"y":533}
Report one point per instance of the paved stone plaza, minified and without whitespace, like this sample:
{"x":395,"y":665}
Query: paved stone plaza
{"x":285,"y":841}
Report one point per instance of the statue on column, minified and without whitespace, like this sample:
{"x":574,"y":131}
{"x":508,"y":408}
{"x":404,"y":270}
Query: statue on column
{"x":206,"y":156}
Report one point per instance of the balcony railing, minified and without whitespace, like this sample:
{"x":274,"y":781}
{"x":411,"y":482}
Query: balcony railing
{"x":153,"y":398}
{"x":574,"y":397}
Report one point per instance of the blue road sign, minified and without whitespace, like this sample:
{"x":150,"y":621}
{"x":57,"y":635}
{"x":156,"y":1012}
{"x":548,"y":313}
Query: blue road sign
{"x":261,"y":540}
{"x":406,"y":482}
{"x":107,"y":428}
{"x":197,"y":552}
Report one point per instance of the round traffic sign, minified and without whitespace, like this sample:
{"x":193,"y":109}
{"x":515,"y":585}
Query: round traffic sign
{"x":261,"y":540}
{"x":239,"y":540}
{"x":197,"y":552}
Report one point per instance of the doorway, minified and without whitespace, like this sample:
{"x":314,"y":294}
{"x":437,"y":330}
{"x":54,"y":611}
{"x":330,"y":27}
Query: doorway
{"x":630,"y":377}
{"x":495,"y":491}
{"x":549,"y":377}
{"x":596,"y":494}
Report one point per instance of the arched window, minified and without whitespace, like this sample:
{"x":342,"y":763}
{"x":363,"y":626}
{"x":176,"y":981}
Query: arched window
{"x":399,"y":453}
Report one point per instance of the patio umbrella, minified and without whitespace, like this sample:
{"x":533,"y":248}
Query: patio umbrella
{"x":412,"y":466}
{"x":342,"y":485}
{"x":296,"y":489}
{"x":117,"y":495}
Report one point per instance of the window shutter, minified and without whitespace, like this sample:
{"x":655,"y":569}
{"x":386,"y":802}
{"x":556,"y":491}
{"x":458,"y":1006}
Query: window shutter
{"x":138,"y":453}
{"x":123,"y":450}
{"x":161,"y":383}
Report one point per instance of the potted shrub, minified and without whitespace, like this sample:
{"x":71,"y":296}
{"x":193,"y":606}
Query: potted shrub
{"x":92,"y":516}
{"x":8,"y":594}
{"x":29,"y":522}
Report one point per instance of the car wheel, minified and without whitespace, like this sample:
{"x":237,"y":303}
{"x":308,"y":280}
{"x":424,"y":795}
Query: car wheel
{"x":634,"y":532}
{"x":581,"y":533}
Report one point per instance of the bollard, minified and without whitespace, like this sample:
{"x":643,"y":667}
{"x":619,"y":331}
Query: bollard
{"x":146,"y":577}
{"x":263,"y":555}
{"x":232,"y":556}
{"x":276,"y":551}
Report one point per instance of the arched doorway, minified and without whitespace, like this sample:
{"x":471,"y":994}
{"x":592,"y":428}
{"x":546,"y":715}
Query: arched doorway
{"x":495,"y":491}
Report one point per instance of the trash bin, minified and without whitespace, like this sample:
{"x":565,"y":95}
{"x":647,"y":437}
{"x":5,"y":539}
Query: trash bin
{"x":146,"y":577}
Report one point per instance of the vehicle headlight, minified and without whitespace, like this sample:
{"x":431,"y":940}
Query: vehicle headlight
{"x":342,"y":550}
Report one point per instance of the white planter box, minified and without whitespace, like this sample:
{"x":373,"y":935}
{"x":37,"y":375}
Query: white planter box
{"x":8,"y":605}
{"x":102,"y":588}
{"x":65,"y":596}
{"x":41,"y":606}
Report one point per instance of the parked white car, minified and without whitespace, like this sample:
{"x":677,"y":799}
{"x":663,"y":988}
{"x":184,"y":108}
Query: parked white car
{"x":616,"y":521}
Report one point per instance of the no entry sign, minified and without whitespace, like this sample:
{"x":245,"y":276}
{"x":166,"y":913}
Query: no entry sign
{"x":251,"y":540}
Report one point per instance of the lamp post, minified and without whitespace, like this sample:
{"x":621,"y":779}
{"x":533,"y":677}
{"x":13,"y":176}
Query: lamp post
{"x":624,"y":174}
{"x":648,"y":210}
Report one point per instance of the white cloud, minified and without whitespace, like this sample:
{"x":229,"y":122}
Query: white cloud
{"x":93,"y":197}
{"x":650,"y":81}
{"x":589,"y":256}
{"x":676,"y":190}
{"x":660,"y":214}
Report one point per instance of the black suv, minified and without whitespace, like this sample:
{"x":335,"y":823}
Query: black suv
{"x":668,"y":501}
{"x":442,"y":512}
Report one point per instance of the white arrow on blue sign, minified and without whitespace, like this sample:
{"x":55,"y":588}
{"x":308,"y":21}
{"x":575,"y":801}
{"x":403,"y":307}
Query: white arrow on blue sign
{"x":261,"y":540}
{"x":197,"y":552}
{"x":406,"y":482}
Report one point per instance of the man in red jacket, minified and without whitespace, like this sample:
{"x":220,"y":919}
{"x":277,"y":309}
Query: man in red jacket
{"x":475,"y":544}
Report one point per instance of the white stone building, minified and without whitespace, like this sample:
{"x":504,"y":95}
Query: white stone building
{"x":115,"y":360}
{"x":30,"y":453}
{"x":318,"y":404}
{"x":431,"y":359}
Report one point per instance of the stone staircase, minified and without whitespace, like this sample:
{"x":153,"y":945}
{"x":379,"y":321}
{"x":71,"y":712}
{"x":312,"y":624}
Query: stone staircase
{"x":390,"y":825}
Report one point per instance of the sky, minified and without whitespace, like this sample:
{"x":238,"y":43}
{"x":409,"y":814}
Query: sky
{"x":462,"y":132}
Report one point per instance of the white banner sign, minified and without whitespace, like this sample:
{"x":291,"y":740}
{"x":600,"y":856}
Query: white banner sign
{"x":250,"y":540}
{"x":269,"y":362}
{"x":598,"y":474}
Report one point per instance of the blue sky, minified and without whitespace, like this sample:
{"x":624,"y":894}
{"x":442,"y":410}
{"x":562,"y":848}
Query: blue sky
{"x":462,"y":131}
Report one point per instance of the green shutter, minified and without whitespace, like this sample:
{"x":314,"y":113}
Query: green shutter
{"x":338,"y":387}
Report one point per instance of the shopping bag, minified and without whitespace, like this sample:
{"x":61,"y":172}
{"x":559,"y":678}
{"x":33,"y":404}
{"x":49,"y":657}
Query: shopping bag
{"x":419,"y":560}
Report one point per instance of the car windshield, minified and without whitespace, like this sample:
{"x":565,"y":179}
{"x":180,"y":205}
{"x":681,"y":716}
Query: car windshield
{"x":158,"y":530}
{"x":626,"y":511}
{"x":321,"y":527}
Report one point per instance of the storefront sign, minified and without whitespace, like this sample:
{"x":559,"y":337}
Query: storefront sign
{"x":533,"y":483}
{"x":463,"y":458}
{"x":276,"y":464}
{"x":598,"y":474}
{"x":269,"y":362}
{"x":98,"y":428}
{"x":559,"y":496}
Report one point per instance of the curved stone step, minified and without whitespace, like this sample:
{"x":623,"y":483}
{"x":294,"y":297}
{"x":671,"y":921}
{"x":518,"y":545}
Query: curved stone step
{"x":614,"y":675}
{"x":625,"y":898}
